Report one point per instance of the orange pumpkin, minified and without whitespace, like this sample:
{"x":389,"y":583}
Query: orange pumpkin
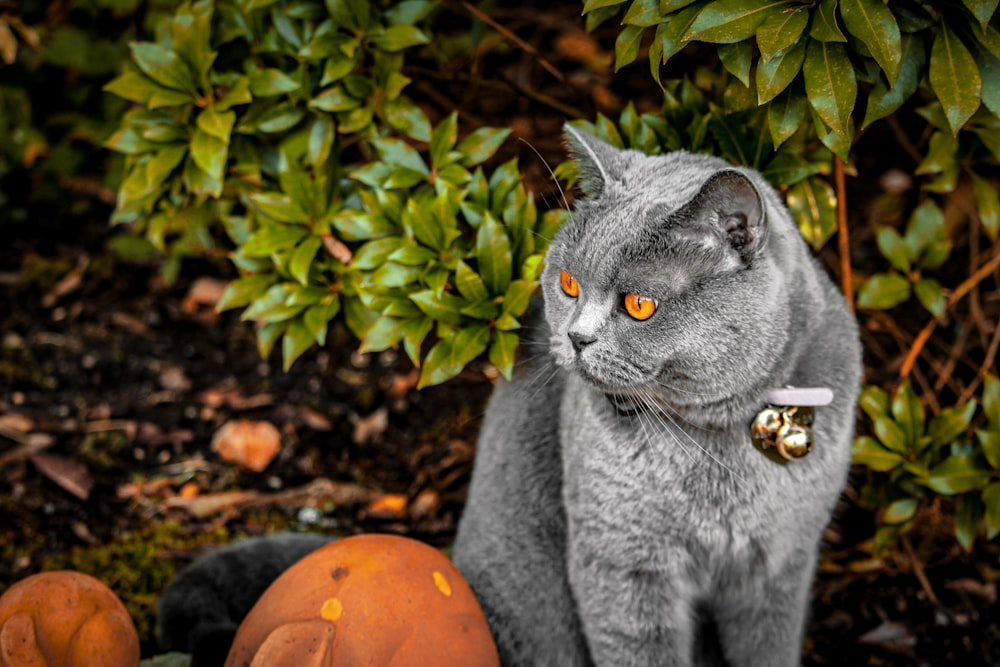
{"x":368,"y":600}
{"x":65,"y":619}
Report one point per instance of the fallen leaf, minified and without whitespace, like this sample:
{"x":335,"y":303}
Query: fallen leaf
{"x":387,"y":507}
{"x":204,"y":291}
{"x":891,"y":634}
{"x":426,"y":504}
{"x":189,"y":490}
{"x":71,"y":475}
{"x":251,"y":444}
{"x":70,"y":282}
{"x":219,"y":396}
{"x":980,"y":589}
{"x":173,"y":378}
{"x":368,"y":428}
{"x":316,"y":493}
{"x":16,"y":423}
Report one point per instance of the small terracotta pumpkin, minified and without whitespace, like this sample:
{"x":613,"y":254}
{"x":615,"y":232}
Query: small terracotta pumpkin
{"x":65,"y":619}
{"x":374,"y":600}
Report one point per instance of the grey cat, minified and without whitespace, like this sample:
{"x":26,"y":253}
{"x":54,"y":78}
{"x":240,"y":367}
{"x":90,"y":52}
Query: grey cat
{"x":618,"y":513}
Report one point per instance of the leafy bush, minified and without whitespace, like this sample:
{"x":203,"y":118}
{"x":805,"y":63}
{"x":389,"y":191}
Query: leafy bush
{"x":288,"y":123}
{"x":279,"y":134}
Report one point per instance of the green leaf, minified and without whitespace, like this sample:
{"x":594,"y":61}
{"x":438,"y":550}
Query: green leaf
{"x":242,"y":291}
{"x":317,"y":317}
{"x":469,"y":284}
{"x":443,"y":140}
{"x":271,"y":308}
{"x":441,"y":307}
{"x":736,"y":58}
{"x":908,"y":414}
{"x":302,"y":258}
{"x":398,"y":37}
{"x":270,"y":239}
{"x":210,"y":154}
{"x":280,"y":118}
{"x":131,"y":85}
{"x":270,"y":82}
{"x":927,"y":235}
{"x":480,"y":145}
{"x":494,"y":255}
{"x":867,"y":451}
{"x":991,"y":500}
{"x":813,"y":204}
{"x":954,"y":77}
{"x":728,"y":21}
{"x":414,"y":332}
{"x":518,"y":297}
{"x":385,"y":333}
{"x":217,"y":124}
{"x":278,"y":207}
{"x":780,"y":31}
{"x":893,"y":248}
{"x":883,"y":291}
{"x":449,"y":356}
{"x":297,"y":339}
{"x":502,"y":352}
{"x":991,"y":401}
{"x":983,"y":10}
{"x":872,"y":22}
{"x":627,"y":45}
{"x":900,"y":511}
{"x":671,"y":36}
{"x":824,"y":25}
{"x":592,"y":5}
{"x":950,"y":424}
{"x":891,"y":434}
{"x":930,"y":293}
{"x":884,"y":99}
{"x":162,"y":65}
{"x":958,"y":473}
{"x":990,"y":443}
{"x":968,"y":518}
{"x":333,"y":99}
{"x":830,"y":84}
{"x":645,"y":13}
{"x":774,"y":75}
{"x":987,"y":205}
{"x":874,"y":402}
{"x":785,"y":115}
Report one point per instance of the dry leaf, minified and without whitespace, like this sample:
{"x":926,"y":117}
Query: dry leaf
{"x":204,"y":291}
{"x":173,"y":378}
{"x":70,"y":282}
{"x":387,"y":507}
{"x":891,"y":634}
{"x":251,"y":444}
{"x":71,"y":475}
{"x":426,"y":504}
{"x":337,"y":249}
{"x":368,"y":428}
{"x":16,"y":423}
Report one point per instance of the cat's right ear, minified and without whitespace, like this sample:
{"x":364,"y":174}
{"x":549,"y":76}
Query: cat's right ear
{"x":593,"y":158}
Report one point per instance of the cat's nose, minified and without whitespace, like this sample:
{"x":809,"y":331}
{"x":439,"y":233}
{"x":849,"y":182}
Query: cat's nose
{"x":580,"y":340}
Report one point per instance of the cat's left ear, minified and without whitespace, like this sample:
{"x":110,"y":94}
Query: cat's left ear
{"x":594,"y":159}
{"x":732,"y":205}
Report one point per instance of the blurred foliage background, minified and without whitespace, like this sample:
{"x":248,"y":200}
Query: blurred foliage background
{"x":356,"y":161}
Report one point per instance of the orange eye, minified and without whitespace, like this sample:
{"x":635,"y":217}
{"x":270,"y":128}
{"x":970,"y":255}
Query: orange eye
{"x":569,"y":284}
{"x":639,"y":307}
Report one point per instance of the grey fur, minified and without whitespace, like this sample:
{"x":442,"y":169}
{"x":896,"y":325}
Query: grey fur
{"x":625,"y":537}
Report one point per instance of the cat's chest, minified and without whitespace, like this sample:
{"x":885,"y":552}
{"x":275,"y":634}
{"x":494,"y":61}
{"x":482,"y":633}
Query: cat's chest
{"x":645,"y":481}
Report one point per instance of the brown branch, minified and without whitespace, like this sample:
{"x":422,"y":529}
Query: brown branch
{"x":549,"y":67}
{"x":967,"y":285}
{"x":918,"y":570}
{"x":844,"y":239}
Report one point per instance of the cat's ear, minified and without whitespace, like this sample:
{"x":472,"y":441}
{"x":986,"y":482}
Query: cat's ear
{"x":732,"y":205}
{"x":593,"y":158}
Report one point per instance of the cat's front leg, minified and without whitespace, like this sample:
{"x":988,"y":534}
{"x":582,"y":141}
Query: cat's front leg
{"x":764,"y":627}
{"x":632,"y":617}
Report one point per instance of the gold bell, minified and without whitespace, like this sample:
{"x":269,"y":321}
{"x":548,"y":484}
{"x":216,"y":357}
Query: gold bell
{"x":783,"y":433}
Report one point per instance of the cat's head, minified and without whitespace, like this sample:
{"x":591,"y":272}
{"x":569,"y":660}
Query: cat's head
{"x":665,"y":280}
